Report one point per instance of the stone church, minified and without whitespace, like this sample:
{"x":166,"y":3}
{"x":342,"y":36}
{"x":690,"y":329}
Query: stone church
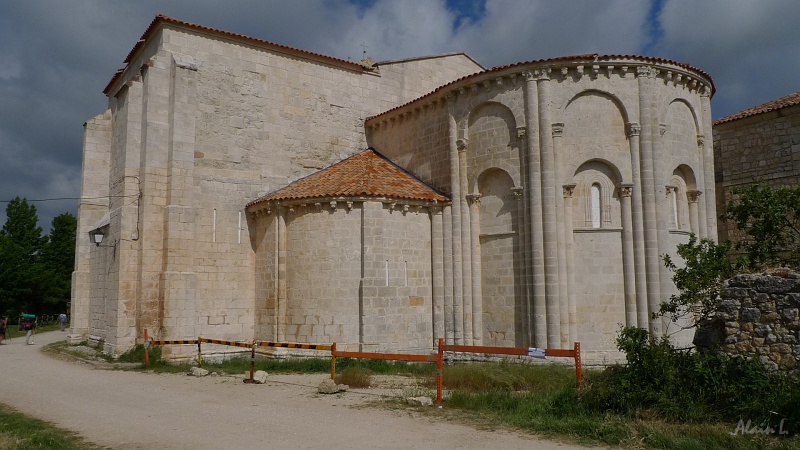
{"x":241,"y":189}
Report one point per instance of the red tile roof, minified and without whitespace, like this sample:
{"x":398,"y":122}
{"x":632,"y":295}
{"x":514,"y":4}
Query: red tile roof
{"x":783,"y":102}
{"x":367,"y":174}
{"x":593,"y":57}
{"x":161,"y":18}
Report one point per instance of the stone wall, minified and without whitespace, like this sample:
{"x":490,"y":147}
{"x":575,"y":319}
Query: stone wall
{"x":760,"y":315}
{"x":765,"y":146}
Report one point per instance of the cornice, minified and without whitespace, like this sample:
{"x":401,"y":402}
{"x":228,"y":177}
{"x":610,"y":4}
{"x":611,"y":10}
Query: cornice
{"x":578,"y":67}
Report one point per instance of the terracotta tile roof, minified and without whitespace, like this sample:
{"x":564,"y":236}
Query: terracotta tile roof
{"x":575,"y":58}
{"x":783,"y":102}
{"x":161,"y":18}
{"x":367,"y":174}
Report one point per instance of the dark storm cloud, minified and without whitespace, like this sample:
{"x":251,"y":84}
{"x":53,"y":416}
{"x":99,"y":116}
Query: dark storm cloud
{"x":57,"y":56}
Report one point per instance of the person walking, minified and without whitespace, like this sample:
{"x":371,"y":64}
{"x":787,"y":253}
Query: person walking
{"x":29,"y":326}
{"x":62,"y":318}
{"x":2,"y":330}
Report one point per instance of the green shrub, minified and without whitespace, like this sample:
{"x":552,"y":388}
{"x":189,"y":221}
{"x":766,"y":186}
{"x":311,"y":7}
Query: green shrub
{"x":680,"y":386}
{"x":357,"y":377}
{"x":136,"y":354}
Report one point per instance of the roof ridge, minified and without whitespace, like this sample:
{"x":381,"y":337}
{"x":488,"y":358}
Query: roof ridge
{"x":762,"y":108}
{"x":367,"y":173}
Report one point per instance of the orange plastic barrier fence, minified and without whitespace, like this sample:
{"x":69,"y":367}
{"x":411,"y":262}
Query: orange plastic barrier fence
{"x":437,"y":358}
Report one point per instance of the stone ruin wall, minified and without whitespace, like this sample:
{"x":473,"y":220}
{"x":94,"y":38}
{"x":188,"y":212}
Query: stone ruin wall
{"x":761,"y":320}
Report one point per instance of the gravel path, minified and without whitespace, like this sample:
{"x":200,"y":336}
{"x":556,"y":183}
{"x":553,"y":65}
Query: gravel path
{"x":128,"y":410}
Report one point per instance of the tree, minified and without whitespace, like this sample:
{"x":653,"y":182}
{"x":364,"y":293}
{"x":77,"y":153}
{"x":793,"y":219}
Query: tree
{"x":20,"y":243}
{"x":770,"y":217}
{"x":705,"y":267}
{"x":58,"y":261}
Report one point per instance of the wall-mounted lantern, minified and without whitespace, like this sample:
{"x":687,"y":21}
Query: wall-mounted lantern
{"x":96,"y":236}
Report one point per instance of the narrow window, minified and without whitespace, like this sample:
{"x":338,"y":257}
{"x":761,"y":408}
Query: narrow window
{"x":596,"y":206}
{"x":675,"y":216}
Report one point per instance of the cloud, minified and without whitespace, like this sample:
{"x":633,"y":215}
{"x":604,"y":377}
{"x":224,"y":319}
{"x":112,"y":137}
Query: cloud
{"x":524,"y":30}
{"x":748,"y":47}
{"x":58,"y":56}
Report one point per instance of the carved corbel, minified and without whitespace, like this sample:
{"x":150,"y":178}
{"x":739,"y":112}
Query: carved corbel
{"x":701,"y":141}
{"x":579,"y":71}
{"x":662,"y":128}
{"x":499,"y":82}
{"x":609,"y":70}
{"x":333,"y":205}
{"x":349,"y":205}
{"x":473,"y":89}
{"x":487,"y":85}
{"x":595,"y":70}
{"x":521,"y":132}
{"x":623,"y":71}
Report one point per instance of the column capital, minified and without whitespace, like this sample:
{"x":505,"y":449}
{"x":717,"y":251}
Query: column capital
{"x":701,"y":141}
{"x":633,"y":129}
{"x":671,"y":189}
{"x":474,"y":199}
{"x":538,"y":74}
{"x":569,"y":190}
{"x":645,"y":71}
{"x":558,"y":129}
{"x":529,"y":75}
{"x":662,"y":128}
{"x":522,"y":132}
{"x":462,"y":144}
{"x":516,"y":192}
{"x":626,"y":189}
{"x":693,"y":196}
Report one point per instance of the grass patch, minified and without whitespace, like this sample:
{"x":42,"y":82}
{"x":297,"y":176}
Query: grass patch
{"x":13,"y":331}
{"x":544,"y":400}
{"x":20,"y":432}
{"x":355,"y":377}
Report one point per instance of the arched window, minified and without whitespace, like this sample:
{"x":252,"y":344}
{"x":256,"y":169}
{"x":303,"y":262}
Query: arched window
{"x":595,"y":205}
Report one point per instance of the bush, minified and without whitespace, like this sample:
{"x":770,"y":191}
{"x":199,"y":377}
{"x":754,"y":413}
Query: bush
{"x":689,"y":387}
{"x":136,"y":354}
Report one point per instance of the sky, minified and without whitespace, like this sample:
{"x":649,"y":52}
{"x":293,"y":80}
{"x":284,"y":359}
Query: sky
{"x":57,"y":56}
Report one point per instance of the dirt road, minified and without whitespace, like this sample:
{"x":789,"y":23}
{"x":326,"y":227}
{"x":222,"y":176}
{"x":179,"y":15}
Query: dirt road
{"x":127,"y":410}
